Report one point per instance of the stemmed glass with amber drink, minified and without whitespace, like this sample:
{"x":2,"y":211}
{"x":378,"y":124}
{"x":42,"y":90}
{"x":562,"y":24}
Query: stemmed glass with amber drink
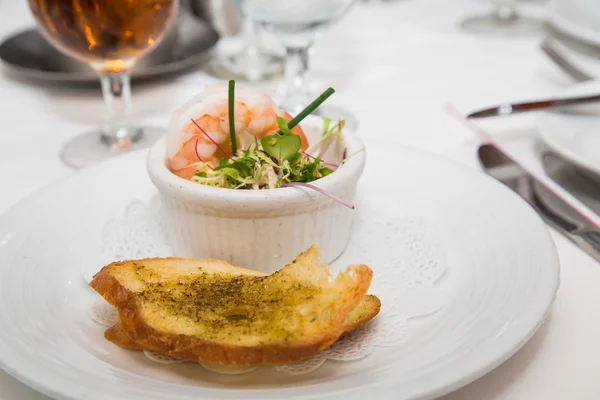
{"x":109,"y":35}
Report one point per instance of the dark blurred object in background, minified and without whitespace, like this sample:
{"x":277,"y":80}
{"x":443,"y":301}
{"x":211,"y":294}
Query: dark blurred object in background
{"x":188,"y":43}
{"x":222,"y":15}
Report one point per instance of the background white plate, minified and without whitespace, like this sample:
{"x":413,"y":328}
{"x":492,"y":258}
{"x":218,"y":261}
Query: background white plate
{"x":578,"y":18}
{"x":575,"y":134}
{"x":500,"y":279}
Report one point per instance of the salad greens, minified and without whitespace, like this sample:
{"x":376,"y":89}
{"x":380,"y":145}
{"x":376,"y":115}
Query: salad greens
{"x":255,"y":168}
{"x":276,"y":160}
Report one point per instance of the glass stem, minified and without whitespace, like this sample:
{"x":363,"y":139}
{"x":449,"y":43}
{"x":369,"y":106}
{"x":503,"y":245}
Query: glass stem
{"x":252,"y":51}
{"x":296,"y":73}
{"x":505,"y":10}
{"x":116,"y":89}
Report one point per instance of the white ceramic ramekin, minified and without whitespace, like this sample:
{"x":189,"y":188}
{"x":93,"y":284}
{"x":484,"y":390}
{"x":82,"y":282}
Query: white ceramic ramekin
{"x":257,"y":229}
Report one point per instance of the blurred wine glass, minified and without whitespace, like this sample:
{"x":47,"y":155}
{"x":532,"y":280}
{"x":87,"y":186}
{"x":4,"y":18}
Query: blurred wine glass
{"x":109,"y":35}
{"x":295,"y":23}
{"x":251,"y":61}
{"x":503,"y":20}
{"x":380,"y":1}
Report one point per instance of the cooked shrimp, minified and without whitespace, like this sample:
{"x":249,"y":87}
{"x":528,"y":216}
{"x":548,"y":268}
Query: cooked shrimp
{"x":255,"y":116}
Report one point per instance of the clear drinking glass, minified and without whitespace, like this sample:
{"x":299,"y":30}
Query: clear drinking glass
{"x":109,"y":35}
{"x":251,"y":63}
{"x":379,"y":1}
{"x":295,"y":23}
{"x":503,"y":20}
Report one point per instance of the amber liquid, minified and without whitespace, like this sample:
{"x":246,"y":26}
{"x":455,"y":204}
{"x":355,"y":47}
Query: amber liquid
{"x":108,"y":34}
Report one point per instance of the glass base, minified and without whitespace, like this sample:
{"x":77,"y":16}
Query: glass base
{"x":93,"y":147}
{"x":324,"y":110}
{"x":492,"y":25}
{"x":380,"y":1}
{"x":264,"y":67}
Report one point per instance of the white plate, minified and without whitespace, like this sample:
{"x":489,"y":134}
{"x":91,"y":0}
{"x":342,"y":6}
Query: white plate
{"x":578,"y":18}
{"x":575,"y":134}
{"x":448,"y":232}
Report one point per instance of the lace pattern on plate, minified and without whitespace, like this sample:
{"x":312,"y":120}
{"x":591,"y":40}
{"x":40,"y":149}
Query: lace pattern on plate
{"x":403,"y":283}
{"x":138,"y":235}
{"x":160,"y":358}
{"x":404,"y":279}
{"x":104,"y":313}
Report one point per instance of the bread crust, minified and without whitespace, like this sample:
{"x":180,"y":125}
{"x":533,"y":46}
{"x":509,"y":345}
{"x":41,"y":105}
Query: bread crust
{"x":365,"y":311}
{"x":134,"y":332}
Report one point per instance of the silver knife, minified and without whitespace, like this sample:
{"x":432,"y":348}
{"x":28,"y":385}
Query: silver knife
{"x":508,"y":109}
{"x":555,"y":211}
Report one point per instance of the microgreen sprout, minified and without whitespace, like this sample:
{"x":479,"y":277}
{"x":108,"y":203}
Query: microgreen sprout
{"x":324,"y":193}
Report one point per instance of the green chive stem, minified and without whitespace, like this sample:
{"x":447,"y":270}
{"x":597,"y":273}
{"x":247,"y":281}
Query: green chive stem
{"x":310,"y":108}
{"x":231,"y":117}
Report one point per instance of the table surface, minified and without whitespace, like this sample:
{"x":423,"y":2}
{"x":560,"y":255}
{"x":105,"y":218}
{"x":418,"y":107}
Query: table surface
{"x":403,"y":63}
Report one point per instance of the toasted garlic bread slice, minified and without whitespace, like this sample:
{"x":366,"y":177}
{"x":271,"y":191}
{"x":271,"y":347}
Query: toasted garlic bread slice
{"x":210,"y":311}
{"x":366,"y":310}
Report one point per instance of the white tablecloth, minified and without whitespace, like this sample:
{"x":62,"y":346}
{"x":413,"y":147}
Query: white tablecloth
{"x":396,"y":66}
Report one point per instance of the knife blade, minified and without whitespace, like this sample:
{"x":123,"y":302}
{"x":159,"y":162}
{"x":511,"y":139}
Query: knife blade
{"x":516,"y":108}
{"x":554,"y":210}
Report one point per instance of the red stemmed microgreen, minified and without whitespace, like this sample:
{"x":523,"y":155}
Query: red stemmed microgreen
{"x":308,"y":155}
{"x":198,"y":155}
{"x":319,"y":190}
{"x":314,"y":158}
{"x":211,"y":139}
